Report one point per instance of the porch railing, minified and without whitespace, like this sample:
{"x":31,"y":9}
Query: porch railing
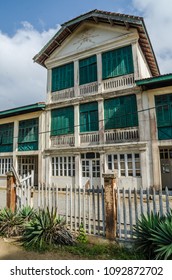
{"x":87,"y":89}
{"x":121,"y":135}
{"x":62,"y":140}
{"x":62,"y":94}
{"x":117,"y":83}
{"x":89,"y":138}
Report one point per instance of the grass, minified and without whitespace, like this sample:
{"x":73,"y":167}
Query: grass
{"x":102,"y":252}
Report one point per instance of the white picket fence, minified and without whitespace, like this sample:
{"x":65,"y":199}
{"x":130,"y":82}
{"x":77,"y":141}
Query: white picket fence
{"x":131,"y":204}
{"x":76,"y":205}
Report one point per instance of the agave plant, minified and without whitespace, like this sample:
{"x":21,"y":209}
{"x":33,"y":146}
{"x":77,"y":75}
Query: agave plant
{"x":45,"y":230}
{"x":162,"y":239}
{"x":26,"y":213}
{"x":143,"y":233}
{"x":10,"y":223}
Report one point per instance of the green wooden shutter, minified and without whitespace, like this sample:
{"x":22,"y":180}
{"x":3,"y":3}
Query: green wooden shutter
{"x":63,"y":77}
{"x":88,"y":70}
{"x":120,"y":112}
{"x":89,"y":117}
{"x":6,"y":137}
{"x":62,"y":121}
{"x":28,"y":135}
{"x":163,"y":105}
{"x":117,"y":62}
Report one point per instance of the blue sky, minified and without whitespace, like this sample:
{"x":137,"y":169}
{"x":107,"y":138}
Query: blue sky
{"x":26,"y":26}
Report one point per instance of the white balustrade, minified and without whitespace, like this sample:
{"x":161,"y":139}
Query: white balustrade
{"x":62,"y":94}
{"x":117,"y":83}
{"x":122,"y":135}
{"x":62,"y":140}
{"x":89,"y":138}
{"x":87,"y":89}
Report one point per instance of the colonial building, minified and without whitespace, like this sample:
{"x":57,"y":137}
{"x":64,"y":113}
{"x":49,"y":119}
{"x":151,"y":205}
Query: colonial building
{"x":157,"y":100}
{"x":96,"y":113}
{"x":22,"y":141}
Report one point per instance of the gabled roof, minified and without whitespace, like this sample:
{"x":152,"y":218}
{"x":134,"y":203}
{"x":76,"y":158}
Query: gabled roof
{"x":22,"y":110}
{"x":155,"y":82}
{"x":105,"y":17}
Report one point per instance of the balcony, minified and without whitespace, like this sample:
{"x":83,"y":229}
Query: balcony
{"x":62,"y":95}
{"x":123,"y":135}
{"x":89,"y":139}
{"x":62,"y":141}
{"x":118,"y":83}
{"x":88,"y":89}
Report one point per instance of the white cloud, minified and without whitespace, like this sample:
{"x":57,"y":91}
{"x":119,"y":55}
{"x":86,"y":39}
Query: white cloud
{"x":158,"y":19}
{"x":22,"y":82}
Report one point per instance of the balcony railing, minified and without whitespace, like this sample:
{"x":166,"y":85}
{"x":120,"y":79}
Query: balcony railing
{"x":89,"y":138}
{"x":62,"y":140}
{"x":87,"y":89}
{"x":122,"y":135}
{"x":118,"y":83}
{"x":62,"y":94}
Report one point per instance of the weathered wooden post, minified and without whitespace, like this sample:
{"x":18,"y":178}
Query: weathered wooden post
{"x":11,"y":191}
{"x":110,"y":205}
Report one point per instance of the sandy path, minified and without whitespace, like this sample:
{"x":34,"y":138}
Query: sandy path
{"x":12,"y":251}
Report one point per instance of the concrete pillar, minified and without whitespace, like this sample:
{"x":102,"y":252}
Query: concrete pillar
{"x":76,"y":127}
{"x":110,"y":205}
{"x":135,"y":61}
{"x":78,"y":174}
{"x":76,"y":77}
{"x":49,"y":84}
{"x":101,"y":120}
{"x":11,"y":191}
{"x":99,"y":72}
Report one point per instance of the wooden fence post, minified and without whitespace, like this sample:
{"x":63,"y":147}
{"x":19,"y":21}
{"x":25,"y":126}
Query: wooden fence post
{"x":110,"y":205}
{"x":11,"y":191}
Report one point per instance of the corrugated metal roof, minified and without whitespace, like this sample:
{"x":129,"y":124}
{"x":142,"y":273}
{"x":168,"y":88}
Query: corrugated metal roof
{"x":105,"y":17}
{"x":22,"y":110}
{"x":160,"y":78}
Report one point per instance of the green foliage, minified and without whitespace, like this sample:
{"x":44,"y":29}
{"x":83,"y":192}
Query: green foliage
{"x":46,"y":230}
{"x":154,"y":236}
{"x":10,"y":223}
{"x":82,"y":237}
{"x":26,"y":213}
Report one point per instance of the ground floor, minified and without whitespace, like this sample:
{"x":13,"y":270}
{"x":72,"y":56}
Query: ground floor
{"x":135,"y":165}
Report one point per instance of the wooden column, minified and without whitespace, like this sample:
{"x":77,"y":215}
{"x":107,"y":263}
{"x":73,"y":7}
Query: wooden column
{"x":11,"y":191}
{"x":110,"y":205}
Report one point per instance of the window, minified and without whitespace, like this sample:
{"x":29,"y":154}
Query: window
{"x":62,"y":121}
{"x":5,"y":164}
{"x":6,"y":137}
{"x":89,"y":117}
{"x":63,"y":77}
{"x":117,"y":62}
{"x":128,"y":165}
{"x":120,"y":112}
{"x":63,"y":166}
{"x":88,"y":70}
{"x":28,"y":135}
{"x":90,"y":165}
{"x":163,"y":105}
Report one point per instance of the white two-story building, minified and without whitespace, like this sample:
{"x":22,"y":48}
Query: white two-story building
{"x":96,"y":120}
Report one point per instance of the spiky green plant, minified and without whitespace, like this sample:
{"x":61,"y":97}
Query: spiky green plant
{"x":162,"y":239}
{"x":143,"y":233}
{"x":26,"y":213}
{"x":10,"y":223}
{"x":45,"y":230}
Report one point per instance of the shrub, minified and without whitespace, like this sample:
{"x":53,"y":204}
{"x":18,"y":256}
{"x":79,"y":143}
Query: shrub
{"x":46,"y":230}
{"x":82,"y":237}
{"x":154,"y":236}
{"x":26,"y":213}
{"x":10,"y":223}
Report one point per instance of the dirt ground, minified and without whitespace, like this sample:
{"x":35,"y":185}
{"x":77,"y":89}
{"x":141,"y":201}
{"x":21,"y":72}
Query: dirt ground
{"x":12,"y":251}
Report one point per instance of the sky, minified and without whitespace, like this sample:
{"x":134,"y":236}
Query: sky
{"x":26,"y":26}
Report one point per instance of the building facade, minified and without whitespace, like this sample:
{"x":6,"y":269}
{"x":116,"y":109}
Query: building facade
{"x":22,"y":141}
{"x":95,"y":118}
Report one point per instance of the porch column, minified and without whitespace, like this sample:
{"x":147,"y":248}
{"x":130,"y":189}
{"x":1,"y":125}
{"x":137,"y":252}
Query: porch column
{"x":11,"y":191}
{"x":101,"y":120}
{"x":78,"y":170}
{"x":76,"y":125}
{"x":49,"y":84}
{"x":76,"y":78}
{"x":15,"y":144}
{"x":99,"y":72}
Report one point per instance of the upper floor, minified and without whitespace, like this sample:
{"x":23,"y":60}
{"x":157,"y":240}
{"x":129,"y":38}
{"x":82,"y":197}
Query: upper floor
{"x":97,"y":53}
{"x":20,"y":129}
